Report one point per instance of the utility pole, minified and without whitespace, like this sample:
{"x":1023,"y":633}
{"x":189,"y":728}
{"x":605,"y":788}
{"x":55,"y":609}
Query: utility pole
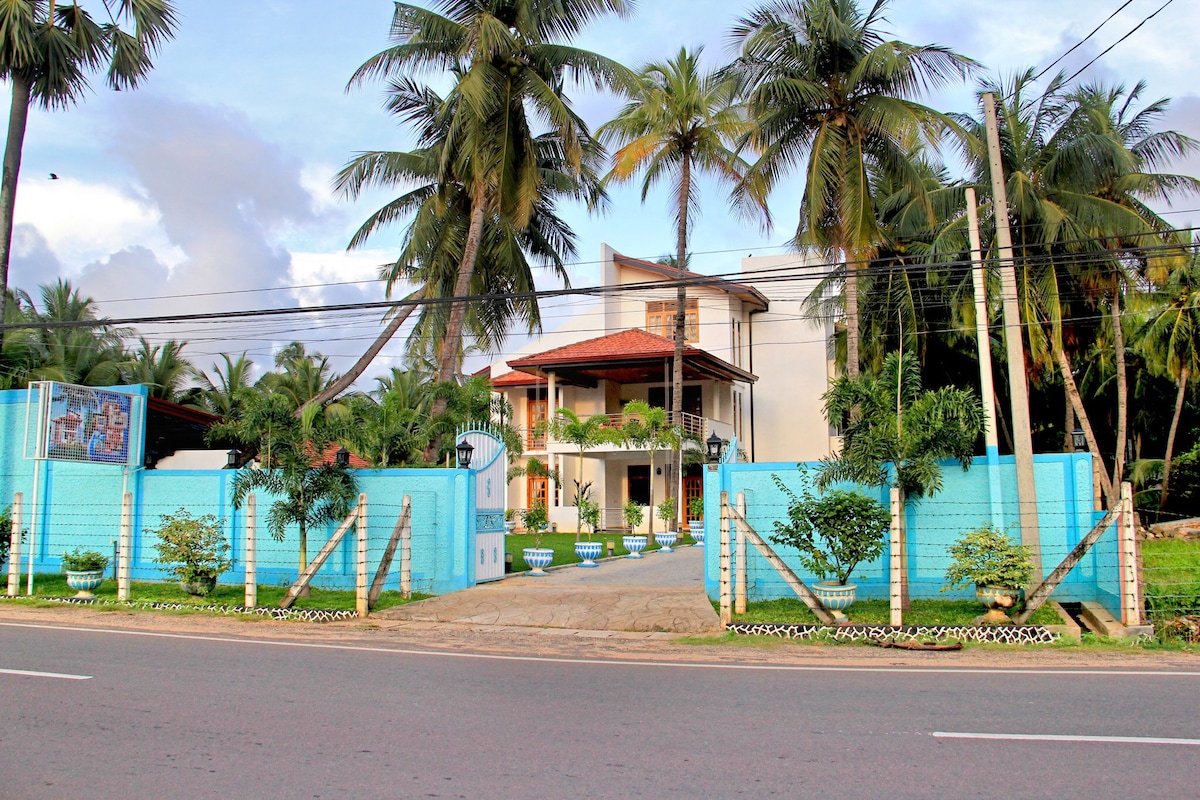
{"x":987,"y":389}
{"x":1014,"y":344}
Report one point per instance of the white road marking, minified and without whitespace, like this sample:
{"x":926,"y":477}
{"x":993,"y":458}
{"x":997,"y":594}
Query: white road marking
{"x":1049,"y":737}
{"x":59,"y":675}
{"x":615,"y":662}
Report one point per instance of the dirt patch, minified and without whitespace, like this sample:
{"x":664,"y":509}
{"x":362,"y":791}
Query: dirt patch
{"x":564,"y":643}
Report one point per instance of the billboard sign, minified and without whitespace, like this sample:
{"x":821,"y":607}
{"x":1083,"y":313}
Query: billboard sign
{"x":93,"y":426}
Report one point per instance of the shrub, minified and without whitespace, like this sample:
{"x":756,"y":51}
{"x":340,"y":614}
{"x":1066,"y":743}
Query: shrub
{"x":536,"y":519}
{"x":195,"y":547}
{"x":633,"y":514}
{"x":80,"y":560}
{"x":666,"y":512}
{"x":696,"y":507}
{"x":987,"y":557}
{"x":833,"y":532}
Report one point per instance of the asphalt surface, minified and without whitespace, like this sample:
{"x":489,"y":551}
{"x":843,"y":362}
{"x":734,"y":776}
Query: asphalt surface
{"x":658,"y":593}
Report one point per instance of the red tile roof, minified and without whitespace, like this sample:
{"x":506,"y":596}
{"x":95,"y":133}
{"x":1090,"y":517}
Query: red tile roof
{"x":517,"y":378}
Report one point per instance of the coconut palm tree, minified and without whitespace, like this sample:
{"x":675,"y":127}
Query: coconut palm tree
{"x":91,"y":354}
{"x":646,"y":428}
{"x":510,"y":59}
{"x":826,"y":89}
{"x":48,"y":53}
{"x":1171,"y":341}
{"x":584,"y":434}
{"x":161,"y":367}
{"x":222,"y":395}
{"x":679,"y":120}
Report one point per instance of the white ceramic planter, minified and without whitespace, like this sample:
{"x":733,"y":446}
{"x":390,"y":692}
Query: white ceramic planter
{"x":635,"y":543}
{"x":696,"y":531}
{"x":836,"y":597}
{"x":538,"y":558}
{"x":83,"y":581}
{"x":589,"y":552}
{"x":664,"y":540}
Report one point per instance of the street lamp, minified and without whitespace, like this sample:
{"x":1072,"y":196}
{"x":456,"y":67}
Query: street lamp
{"x":464,"y":451}
{"x":1078,"y":439}
{"x":343,"y":457}
{"x":231,"y":459}
{"x":714,"y":445}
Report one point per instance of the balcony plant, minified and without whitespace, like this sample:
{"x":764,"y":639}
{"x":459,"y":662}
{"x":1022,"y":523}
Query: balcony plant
{"x":85,"y":571}
{"x":195,"y":550}
{"x":998,"y":568}
{"x":833,"y":532}
{"x":537,"y":557}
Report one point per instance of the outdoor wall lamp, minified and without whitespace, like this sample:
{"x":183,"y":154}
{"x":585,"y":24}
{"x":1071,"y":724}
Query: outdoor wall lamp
{"x":343,"y":457}
{"x":464,"y":452}
{"x":231,"y":459}
{"x":714,"y":445}
{"x":1078,"y":439}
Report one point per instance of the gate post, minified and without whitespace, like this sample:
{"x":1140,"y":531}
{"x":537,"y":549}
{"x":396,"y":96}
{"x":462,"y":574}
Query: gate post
{"x":726,"y":606}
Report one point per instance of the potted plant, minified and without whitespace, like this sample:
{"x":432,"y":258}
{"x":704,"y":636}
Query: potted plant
{"x":696,"y":519}
{"x":510,"y":520}
{"x":634,"y":542}
{"x":589,"y":514}
{"x":665,"y":538}
{"x":85,"y":571}
{"x":194,"y":548}
{"x":537,"y":557}
{"x":833,"y":533}
{"x":996,"y":566}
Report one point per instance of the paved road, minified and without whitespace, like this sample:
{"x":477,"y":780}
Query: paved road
{"x":169,"y":716}
{"x":658,"y":593}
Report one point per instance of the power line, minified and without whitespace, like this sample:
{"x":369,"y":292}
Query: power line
{"x":1080,"y":43}
{"x":1118,"y":41}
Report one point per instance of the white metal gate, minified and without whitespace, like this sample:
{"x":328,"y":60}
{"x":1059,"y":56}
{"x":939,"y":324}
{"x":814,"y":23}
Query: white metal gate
{"x":489,"y":462}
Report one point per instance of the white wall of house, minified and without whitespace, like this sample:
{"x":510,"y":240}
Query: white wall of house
{"x":792,"y":361}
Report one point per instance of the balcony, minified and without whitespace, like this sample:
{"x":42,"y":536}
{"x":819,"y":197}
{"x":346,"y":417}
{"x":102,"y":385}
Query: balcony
{"x":692,"y":424}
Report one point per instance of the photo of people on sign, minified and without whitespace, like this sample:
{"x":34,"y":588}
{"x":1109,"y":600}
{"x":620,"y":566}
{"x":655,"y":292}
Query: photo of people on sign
{"x":90,"y":425}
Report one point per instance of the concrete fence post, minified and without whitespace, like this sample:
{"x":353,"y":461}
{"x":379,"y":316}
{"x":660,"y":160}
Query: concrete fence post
{"x":739,"y":605}
{"x":406,"y":548}
{"x":125,"y":557}
{"x":360,"y":599}
{"x":896,"y":561}
{"x":1131,"y":612}
{"x":14,"y":548}
{"x":251,"y":554}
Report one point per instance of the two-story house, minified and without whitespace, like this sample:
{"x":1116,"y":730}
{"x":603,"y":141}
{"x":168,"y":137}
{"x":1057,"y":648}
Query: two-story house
{"x":754,"y":370}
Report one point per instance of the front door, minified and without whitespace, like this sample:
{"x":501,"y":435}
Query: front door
{"x":693,"y":486}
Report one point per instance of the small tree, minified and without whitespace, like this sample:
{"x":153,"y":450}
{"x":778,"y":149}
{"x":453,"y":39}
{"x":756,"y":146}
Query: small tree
{"x":536,"y":519}
{"x":632,"y":511}
{"x":987,"y":557}
{"x":646,"y":428}
{"x":195,"y":547}
{"x":589,"y":513}
{"x":666,"y":512}
{"x":833,"y":532}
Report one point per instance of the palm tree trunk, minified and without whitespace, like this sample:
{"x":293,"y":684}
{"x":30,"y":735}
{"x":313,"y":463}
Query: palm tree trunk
{"x":448,"y":361}
{"x":681,"y":237}
{"x":851,"y":315}
{"x":18,"y":116}
{"x":360,"y":366}
{"x":1069,"y":426}
{"x":1064,"y":368}
{"x":1122,"y":393}
{"x":1184,"y":375}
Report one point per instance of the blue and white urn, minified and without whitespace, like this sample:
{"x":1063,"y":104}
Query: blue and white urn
{"x":589,"y":552}
{"x":635,"y":543}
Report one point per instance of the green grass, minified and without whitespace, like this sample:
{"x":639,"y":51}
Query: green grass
{"x":54,"y":584}
{"x":563,"y":545}
{"x":1171,"y":568}
{"x":877,"y":612}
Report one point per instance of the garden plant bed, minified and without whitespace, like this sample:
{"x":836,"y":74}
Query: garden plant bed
{"x":322,"y":605}
{"x":1004,"y":634}
{"x":938,"y":613}
{"x":563,"y":545}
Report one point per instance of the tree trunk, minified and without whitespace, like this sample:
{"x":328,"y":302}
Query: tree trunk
{"x":18,"y":116}
{"x":1184,"y":375}
{"x":1002,"y":423}
{"x":1118,"y":472}
{"x":360,"y":366}
{"x":851,"y":315}
{"x":1064,"y":367}
{"x":1069,"y":426}
{"x":448,"y":356}
{"x":681,"y":237}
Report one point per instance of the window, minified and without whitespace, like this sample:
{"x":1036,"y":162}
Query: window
{"x":660,"y":319}
{"x":639,"y":483}
{"x":536,"y":415}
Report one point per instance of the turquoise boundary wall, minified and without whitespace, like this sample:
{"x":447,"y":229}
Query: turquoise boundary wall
{"x":1065,"y":515}
{"x":80,"y":506}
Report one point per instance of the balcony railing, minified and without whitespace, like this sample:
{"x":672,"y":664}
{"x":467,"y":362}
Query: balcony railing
{"x":692,"y":424}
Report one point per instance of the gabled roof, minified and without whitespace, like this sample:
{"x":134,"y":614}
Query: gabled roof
{"x":747,"y":294}
{"x":630,"y":356}
{"x":515,"y":379}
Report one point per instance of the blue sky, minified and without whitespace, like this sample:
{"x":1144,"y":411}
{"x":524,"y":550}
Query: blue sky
{"x":215,"y":176}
